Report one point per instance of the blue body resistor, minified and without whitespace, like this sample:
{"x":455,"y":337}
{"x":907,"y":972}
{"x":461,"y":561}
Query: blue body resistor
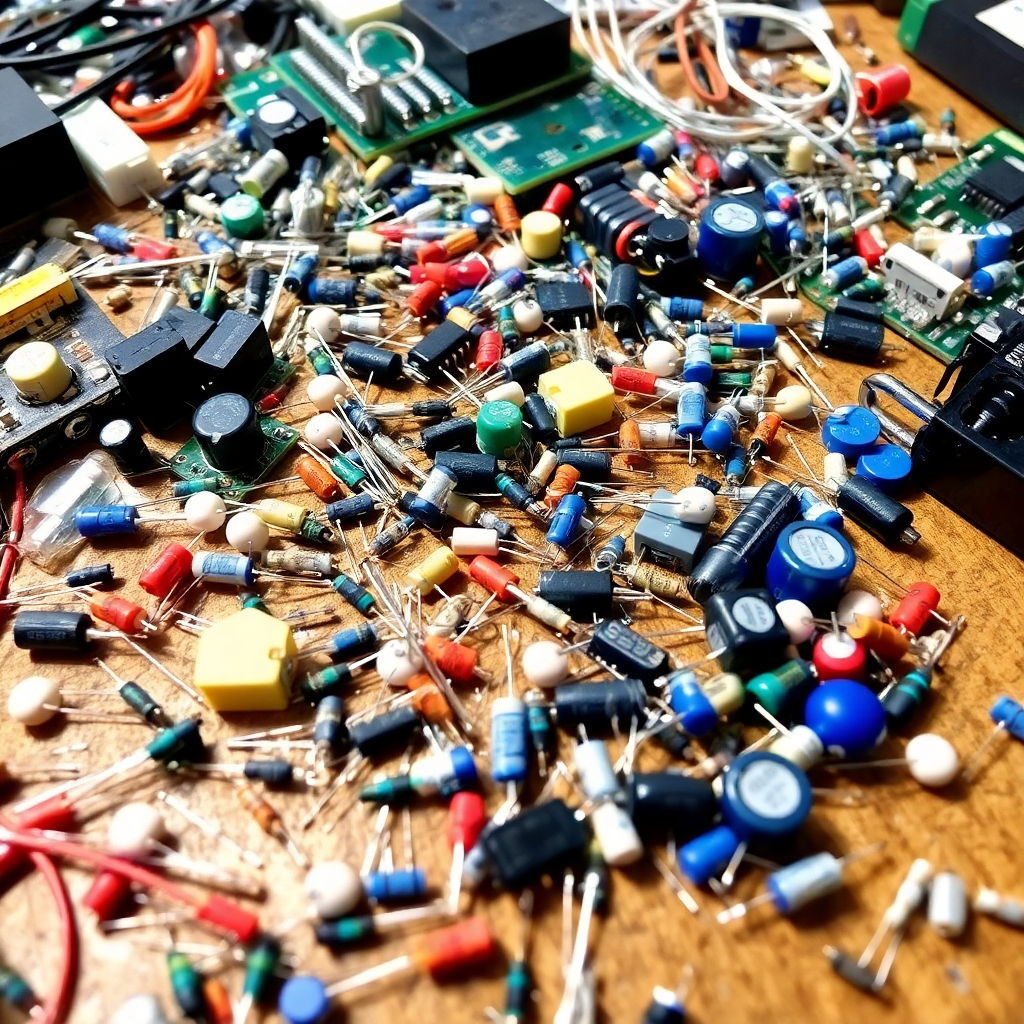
{"x":212,"y":567}
{"x":300,"y":273}
{"x":610,"y":555}
{"x":678,"y":308}
{"x":106,"y":520}
{"x":763,"y":336}
{"x":691,"y":410}
{"x":697,"y":368}
{"x":456,"y":299}
{"x":565,"y":523}
{"x":721,"y":429}
{"x":332,"y":291}
{"x":845,"y":273}
{"x":509,"y":758}
{"x":735,"y":464}
{"x":112,"y":237}
{"x":816,"y":510}
{"x":890,"y":134}
{"x":405,"y":201}
{"x":405,"y":885}
{"x":988,"y":280}
{"x":354,"y":640}
{"x":213,"y":244}
{"x":348,"y":509}
{"x":994,"y":244}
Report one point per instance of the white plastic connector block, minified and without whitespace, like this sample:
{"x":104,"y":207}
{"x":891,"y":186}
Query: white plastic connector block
{"x":118,"y":163}
{"x":344,"y":16}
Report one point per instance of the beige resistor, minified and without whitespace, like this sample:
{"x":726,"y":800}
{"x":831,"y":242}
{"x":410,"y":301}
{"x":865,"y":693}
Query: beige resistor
{"x":282,"y":514}
{"x":119,"y":298}
{"x":659,"y":582}
{"x":782,"y":312}
{"x":799,"y":156}
{"x":907,"y":166}
{"x":365,"y":243}
{"x":928,"y":239}
{"x":463,"y":509}
{"x":382,"y":279}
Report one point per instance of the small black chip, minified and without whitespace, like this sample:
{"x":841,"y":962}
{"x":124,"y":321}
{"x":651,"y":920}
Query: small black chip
{"x":997,"y":188}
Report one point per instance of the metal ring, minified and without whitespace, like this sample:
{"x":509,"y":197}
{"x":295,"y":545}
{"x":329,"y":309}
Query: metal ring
{"x":398,"y":32}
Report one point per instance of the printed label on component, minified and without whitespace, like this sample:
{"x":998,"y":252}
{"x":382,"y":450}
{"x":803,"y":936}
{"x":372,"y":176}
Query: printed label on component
{"x":734,"y":217}
{"x":754,"y":614}
{"x":769,"y":789}
{"x":1007,"y":19}
{"x":496,"y":136}
{"x":817,"y":549}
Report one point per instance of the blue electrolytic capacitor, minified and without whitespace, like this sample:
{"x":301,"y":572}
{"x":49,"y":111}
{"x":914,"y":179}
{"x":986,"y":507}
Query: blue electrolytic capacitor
{"x":887,"y":466}
{"x":566,"y":521}
{"x":578,"y":255}
{"x":691,"y":410}
{"x":1009,"y":715}
{"x":707,"y":855}
{"x":106,"y":520}
{"x":781,"y":196}
{"x":697,"y":368}
{"x":810,"y":563}
{"x":355,"y":640}
{"x":449,"y":302}
{"x":688,"y":700}
{"x":988,"y":280}
{"x":210,"y":243}
{"x":303,"y":1000}
{"x":404,"y":885}
{"x":721,"y":429}
{"x":797,"y":238}
{"x":735,"y":464}
{"x":729,"y":237}
{"x":795,"y":885}
{"x":610,"y":555}
{"x":657,"y":149}
{"x":847,"y":717}
{"x":734,"y":169}
{"x":112,"y":237}
{"x":478,"y":216}
{"x":815,"y":509}
{"x":764,"y":336}
{"x":765,"y":795}
{"x":850,"y":430}
{"x":213,"y":567}
{"x":777,"y":225}
{"x":678,"y":308}
{"x":332,"y":291}
{"x":413,"y":196}
{"x":994,"y":244}
{"x":846,"y":272}
{"x":509,"y":761}
{"x":347,"y":509}
{"x":300,"y":273}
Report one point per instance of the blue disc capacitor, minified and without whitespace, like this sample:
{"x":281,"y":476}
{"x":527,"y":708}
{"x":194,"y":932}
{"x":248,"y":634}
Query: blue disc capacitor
{"x":810,"y":563}
{"x":721,"y":429}
{"x":765,"y":795}
{"x":847,"y":717}
{"x":729,"y":238}
{"x":887,"y":466}
{"x":850,"y":430}
{"x":303,"y":1000}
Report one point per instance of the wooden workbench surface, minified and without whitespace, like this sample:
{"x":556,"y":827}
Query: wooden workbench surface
{"x":763,"y":969}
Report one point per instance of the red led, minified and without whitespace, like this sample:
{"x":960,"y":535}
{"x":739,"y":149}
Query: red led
{"x":913,"y":613}
{"x":151,"y":249}
{"x":106,"y":894}
{"x":423,"y":298}
{"x":868,"y":247}
{"x":489,"y":350}
{"x":467,"y":815}
{"x":559,"y":201}
{"x":496,"y":578}
{"x":172,"y":565}
{"x":118,"y":612}
{"x":839,"y":656}
{"x":706,"y":167}
{"x":455,"y":660}
{"x":632,"y":378}
{"x":881,"y":89}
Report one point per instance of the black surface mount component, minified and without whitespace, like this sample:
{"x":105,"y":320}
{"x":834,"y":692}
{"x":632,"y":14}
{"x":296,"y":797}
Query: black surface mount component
{"x":997,"y":188}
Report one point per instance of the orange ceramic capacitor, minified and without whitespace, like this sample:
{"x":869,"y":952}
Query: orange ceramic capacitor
{"x":562,"y":483}
{"x":318,"y":479}
{"x":886,"y":641}
{"x":451,"y":949}
{"x":506,"y":214}
{"x":118,"y":612}
{"x":913,"y":613}
{"x":559,"y":201}
{"x":496,"y":578}
{"x":428,"y":700}
{"x":422,"y":299}
{"x":629,"y":438}
{"x":455,"y":660}
{"x":219,"y":1009}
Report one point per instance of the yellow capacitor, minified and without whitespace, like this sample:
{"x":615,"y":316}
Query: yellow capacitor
{"x":282,"y":514}
{"x":463,"y":317}
{"x":377,"y":168}
{"x":245,"y":662}
{"x":440,"y":565}
{"x":38,"y":372}
{"x":799,"y":156}
{"x":28,"y":301}
{"x":541,"y":234}
{"x":581,"y":396}
{"x":813,"y":70}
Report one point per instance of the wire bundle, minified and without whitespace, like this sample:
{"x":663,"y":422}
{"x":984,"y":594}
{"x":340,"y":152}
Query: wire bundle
{"x":703,"y":23}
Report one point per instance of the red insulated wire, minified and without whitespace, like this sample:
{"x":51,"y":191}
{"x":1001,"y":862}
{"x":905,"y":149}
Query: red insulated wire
{"x":17,"y":518}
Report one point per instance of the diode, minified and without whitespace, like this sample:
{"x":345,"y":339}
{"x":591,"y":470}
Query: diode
{"x":909,"y":897}
{"x":902,"y":699}
{"x":509,"y":761}
{"x":791,"y":888}
{"x":306,"y":1000}
{"x":347,"y":931}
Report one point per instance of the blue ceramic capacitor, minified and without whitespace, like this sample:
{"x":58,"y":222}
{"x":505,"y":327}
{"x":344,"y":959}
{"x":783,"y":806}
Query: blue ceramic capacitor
{"x":850,"y":430}
{"x":846,"y":716}
{"x":303,"y":1000}
{"x":887,"y":466}
{"x":729,"y":238}
{"x":810,"y":563}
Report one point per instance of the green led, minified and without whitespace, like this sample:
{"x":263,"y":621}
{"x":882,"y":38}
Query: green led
{"x":320,"y":361}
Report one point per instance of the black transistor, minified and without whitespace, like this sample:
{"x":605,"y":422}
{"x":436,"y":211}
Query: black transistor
{"x":540,"y":841}
{"x":564,"y":303}
{"x":614,"y":644}
{"x":744,"y":627}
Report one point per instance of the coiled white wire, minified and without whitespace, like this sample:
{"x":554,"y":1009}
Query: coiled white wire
{"x":771,"y":117}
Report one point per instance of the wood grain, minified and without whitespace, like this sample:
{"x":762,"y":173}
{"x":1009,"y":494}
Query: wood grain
{"x":762,"y":969}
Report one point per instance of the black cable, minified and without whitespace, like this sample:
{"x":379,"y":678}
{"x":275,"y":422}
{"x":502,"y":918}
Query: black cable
{"x":18,"y":40}
{"x":167,"y":28}
{"x":143,"y":55}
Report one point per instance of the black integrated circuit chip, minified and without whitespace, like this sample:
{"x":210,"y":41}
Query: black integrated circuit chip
{"x":997,"y":188}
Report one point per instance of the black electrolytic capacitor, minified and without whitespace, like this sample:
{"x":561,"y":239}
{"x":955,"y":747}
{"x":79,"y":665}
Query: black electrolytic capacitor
{"x":257,"y":290}
{"x":458,"y":434}
{"x":91,"y":576}
{"x":541,"y":840}
{"x":537,"y":416}
{"x":622,"y":300}
{"x":123,"y":441}
{"x":385,"y":734}
{"x":614,"y":644}
{"x":889,"y":520}
{"x":53,"y":631}
{"x":581,"y":593}
{"x":361,"y":360}
{"x":670,"y":804}
{"x":747,"y":542}
{"x":597,"y":705}
{"x":593,"y":465}
{"x":474,"y":471}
